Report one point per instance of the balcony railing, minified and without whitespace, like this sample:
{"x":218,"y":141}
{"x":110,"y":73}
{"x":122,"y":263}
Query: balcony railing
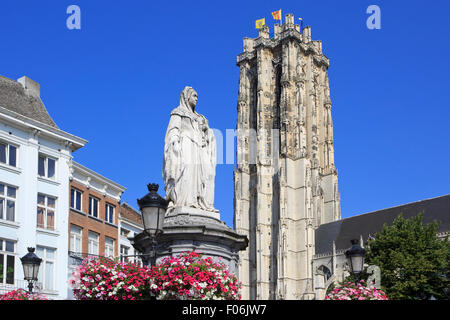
{"x":20,"y":284}
{"x":76,"y":258}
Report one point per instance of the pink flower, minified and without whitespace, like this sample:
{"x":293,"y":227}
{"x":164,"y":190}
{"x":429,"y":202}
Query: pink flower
{"x":350,"y":291}
{"x":187,"y":275}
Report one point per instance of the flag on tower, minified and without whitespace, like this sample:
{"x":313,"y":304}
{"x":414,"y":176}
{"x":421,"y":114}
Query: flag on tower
{"x":276,"y":15}
{"x":260,"y":23}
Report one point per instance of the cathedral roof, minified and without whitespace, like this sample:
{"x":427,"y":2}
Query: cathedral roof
{"x":366,"y":225}
{"x":16,"y":97}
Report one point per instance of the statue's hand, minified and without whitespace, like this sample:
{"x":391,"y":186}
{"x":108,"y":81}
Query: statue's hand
{"x":175,"y":143}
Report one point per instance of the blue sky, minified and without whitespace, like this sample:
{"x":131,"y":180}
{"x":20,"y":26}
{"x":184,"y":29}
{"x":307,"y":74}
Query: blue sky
{"x":115,"y":81}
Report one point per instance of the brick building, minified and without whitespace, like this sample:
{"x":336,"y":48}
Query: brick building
{"x":93,"y":215}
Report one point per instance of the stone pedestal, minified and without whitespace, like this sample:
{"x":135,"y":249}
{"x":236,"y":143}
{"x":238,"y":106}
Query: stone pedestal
{"x":191,"y":212}
{"x":191,"y":229}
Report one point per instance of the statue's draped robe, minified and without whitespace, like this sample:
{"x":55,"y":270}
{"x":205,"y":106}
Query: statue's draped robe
{"x":189,"y":158}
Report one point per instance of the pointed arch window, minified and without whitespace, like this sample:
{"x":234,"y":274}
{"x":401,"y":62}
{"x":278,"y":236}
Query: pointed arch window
{"x":326,"y":272}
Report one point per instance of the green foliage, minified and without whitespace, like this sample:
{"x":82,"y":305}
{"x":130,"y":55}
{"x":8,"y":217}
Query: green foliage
{"x":414,"y":263}
{"x":351,"y":278}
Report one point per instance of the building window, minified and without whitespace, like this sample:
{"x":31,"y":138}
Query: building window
{"x":46,"y":212}
{"x":8,"y":154}
{"x":326,"y":272}
{"x":75,"y":239}
{"x":7,"y":202}
{"x":124,"y":253}
{"x":93,"y":243}
{"x":109,"y":213}
{"x":124,"y":232}
{"x":46,"y":167}
{"x":109,"y":247}
{"x":47,"y":269}
{"x":7,"y":261}
{"x":75,"y":199}
{"x":93,"y":206}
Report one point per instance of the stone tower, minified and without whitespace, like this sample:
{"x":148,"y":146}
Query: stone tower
{"x":285,"y":179}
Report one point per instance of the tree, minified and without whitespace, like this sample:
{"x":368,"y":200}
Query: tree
{"x":414,"y":263}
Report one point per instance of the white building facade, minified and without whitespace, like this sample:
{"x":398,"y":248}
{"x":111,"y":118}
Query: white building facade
{"x":35,"y":156}
{"x":130,"y":225}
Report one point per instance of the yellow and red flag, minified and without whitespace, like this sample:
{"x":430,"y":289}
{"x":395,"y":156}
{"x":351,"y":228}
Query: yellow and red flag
{"x":260,"y":23}
{"x":276,"y":15}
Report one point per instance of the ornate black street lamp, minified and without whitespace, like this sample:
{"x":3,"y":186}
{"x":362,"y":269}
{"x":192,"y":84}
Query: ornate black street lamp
{"x":153,"y":208}
{"x":31,"y":263}
{"x":355,"y":258}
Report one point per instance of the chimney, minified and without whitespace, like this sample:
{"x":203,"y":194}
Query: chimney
{"x":31,"y":87}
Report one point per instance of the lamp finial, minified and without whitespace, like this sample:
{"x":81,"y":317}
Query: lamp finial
{"x":153,"y":187}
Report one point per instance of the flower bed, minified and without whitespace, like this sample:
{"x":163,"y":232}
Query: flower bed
{"x":187,"y":276}
{"x":352,"y":291}
{"x":21,"y":294}
{"x":104,"y":279}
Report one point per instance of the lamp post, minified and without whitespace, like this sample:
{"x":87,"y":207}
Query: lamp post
{"x":31,"y":263}
{"x":355,"y":258}
{"x":153,"y":208}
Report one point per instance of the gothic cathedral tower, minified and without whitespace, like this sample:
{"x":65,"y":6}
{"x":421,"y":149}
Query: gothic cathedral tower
{"x":285,"y":180}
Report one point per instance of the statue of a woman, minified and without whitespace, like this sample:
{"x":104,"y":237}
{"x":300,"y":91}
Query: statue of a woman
{"x":189,"y":157}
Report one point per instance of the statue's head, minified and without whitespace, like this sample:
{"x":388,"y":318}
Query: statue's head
{"x":190,"y":96}
{"x":193,"y":99}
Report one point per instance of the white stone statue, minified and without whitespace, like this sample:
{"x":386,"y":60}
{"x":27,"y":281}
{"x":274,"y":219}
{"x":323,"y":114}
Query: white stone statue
{"x":189,"y":164}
